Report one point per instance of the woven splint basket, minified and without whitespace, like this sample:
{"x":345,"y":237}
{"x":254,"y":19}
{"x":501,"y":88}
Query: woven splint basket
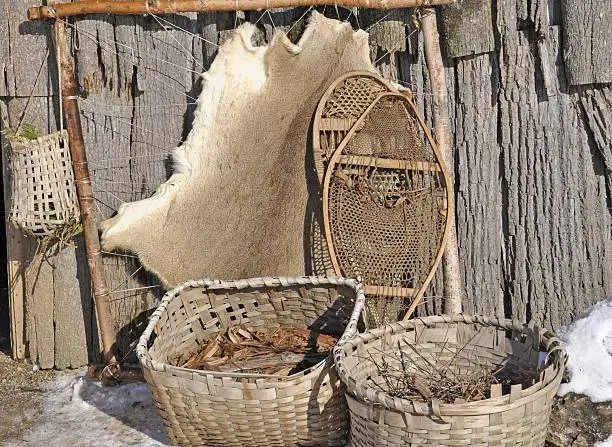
{"x":207,"y":408}
{"x":43,"y":191}
{"x":517,"y":415}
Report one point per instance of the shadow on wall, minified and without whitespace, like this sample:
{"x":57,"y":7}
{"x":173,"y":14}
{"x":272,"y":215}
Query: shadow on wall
{"x":129,"y":335}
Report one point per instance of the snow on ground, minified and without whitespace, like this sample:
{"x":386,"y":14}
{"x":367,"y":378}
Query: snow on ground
{"x":77,"y":411}
{"x":606,"y":443}
{"x":588,"y":342}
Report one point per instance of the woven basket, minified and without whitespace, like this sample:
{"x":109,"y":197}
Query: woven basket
{"x":207,"y":408}
{"x":43,"y":192}
{"x":518,"y":416}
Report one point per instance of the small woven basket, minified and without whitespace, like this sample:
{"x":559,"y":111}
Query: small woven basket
{"x":207,"y":408}
{"x":43,"y":192}
{"x":518,"y":416}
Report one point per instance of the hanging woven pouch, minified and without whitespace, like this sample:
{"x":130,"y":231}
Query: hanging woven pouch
{"x":43,"y":194}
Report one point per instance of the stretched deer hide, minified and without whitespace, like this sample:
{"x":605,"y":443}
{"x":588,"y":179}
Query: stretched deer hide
{"x":236,"y":205}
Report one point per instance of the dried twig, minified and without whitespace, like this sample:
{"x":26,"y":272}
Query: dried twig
{"x":409,"y":373}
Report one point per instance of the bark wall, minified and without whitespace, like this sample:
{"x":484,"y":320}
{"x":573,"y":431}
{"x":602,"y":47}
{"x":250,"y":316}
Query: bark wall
{"x":532,"y":166}
{"x":531,"y":109}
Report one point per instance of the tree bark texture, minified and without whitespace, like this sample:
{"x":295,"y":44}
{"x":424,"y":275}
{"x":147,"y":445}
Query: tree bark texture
{"x":530,"y":119}
{"x":587,"y":33}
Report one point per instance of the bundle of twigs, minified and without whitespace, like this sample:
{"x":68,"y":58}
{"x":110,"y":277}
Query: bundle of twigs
{"x":408,"y":374}
{"x":278,"y":351}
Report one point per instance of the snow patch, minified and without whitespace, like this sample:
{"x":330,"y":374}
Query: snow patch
{"x":588,"y":342}
{"x":79,"y":411}
{"x":606,"y":443}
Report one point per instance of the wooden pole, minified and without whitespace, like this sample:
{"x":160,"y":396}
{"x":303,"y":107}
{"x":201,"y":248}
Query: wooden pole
{"x":136,"y":7}
{"x":86,"y":199}
{"x":433,"y":58}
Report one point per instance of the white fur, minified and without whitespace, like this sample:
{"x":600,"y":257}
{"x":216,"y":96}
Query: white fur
{"x":236,"y":203}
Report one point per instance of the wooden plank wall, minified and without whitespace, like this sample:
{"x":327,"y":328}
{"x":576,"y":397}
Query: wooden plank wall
{"x":35,"y":308}
{"x":532,"y":165}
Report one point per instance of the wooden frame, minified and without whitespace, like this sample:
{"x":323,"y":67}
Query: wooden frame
{"x":71,"y":109}
{"x":137,"y":7}
{"x":82,"y":180}
{"x":337,"y":157}
{"x":319,"y":122}
{"x":433,"y":58}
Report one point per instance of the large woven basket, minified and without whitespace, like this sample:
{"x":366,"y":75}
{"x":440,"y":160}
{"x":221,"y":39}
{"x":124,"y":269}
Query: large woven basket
{"x":43,"y":192}
{"x":207,"y":408}
{"x":518,"y":416}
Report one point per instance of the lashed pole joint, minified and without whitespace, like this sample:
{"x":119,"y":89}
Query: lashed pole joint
{"x":137,"y":7}
{"x":86,"y":201}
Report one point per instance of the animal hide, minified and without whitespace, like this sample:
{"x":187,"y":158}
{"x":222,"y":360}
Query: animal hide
{"x":236,"y":205}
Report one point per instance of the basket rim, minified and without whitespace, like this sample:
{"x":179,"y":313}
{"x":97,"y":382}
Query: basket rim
{"x":61,"y":135}
{"x":369,"y":395}
{"x":146,"y":361}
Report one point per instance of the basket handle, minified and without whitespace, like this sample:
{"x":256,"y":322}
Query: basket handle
{"x":351,"y":327}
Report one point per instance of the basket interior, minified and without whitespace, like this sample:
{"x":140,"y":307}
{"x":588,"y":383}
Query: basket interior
{"x":465,"y":349}
{"x":199,"y":314}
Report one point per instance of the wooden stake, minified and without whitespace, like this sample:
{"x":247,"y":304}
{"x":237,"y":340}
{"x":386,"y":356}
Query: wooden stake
{"x":433,"y":58}
{"x":86,"y":199}
{"x":136,"y":7}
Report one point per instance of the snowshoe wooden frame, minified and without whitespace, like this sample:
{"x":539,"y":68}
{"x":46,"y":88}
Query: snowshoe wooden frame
{"x":336,"y":133}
